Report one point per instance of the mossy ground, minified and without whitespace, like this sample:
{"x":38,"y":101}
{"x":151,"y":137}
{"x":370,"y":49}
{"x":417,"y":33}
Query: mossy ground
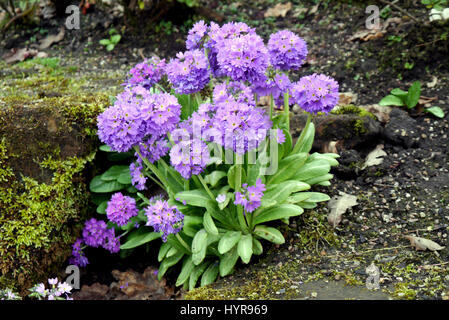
{"x":48,"y":139}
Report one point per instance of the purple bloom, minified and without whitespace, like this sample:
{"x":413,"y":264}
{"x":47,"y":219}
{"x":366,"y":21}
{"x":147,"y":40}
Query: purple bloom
{"x":196,"y":35}
{"x":121,"y":208}
{"x":251,"y":197}
{"x":189,"y":157}
{"x":147,"y":73}
{"x":243,"y":58}
{"x":138,"y":178}
{"x":280,"y":136}
{"x":78,"y":258}
{"x":287,"y":50}
{"x":53,"y":282}
{"x":164,"y":218}
{"x":315,"y":93}
{"x":94,"y":232}
{"x":189,"y":72}
{"x":111,"y":242}
{"x":221,"y":198}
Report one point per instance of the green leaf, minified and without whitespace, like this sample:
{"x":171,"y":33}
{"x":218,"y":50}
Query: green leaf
{"x":329,"y":157}
{"x":245,"y":248}
{"x":104,"y":42}
{"x":312,"y":169}
{"x":163,"y":251}
{"x":283,"y":190}
{"x":139,"y":237}
{"x":319,"y":179}
{"x":270,"y":234}
{"x":317,"y":197}
{"x":399,"y":93}
{"x":102,"y":207}
{"x":116,"y":38}
{"x":114,"y":172}
{"x":228,"y":261}
{"x":172,"y":252}
{"x":214,"y":177}
{"x":391,"y":100}
{"x":131,"y":189}
{"x":209,"y":224}
{"x":186,"y":270}
{"x":232,"y":175}
{"x":105,"y":148}
{"x":125,"y":178}
{"x":287,"y":167}
{"x":99,"y":186}
{"x":307,"y":205}
{"x":277,"y":212}
{"x":192,"y":224}
{"x":257,"y":247}
{"x":116,"y":156}
{"x":112,"y":31}
{"x":174,"y":242}
{"x":298,"y":197}
{"x":253,"y":173}
{"x":414,"y":92}
{"x":307,"y":143}
{"x":220,"y":215}
{"x":167,"y":263}
{"x":436,"y":111}
{"x":110,"y":47}
{"x":197,"y":272}
{"x":197,"y":197}
{"x":99,"y":198}
{"x":228,"y":241}
{"x":210,"y":274}
{"x":199,"y":246}
{"x":225,"y":203}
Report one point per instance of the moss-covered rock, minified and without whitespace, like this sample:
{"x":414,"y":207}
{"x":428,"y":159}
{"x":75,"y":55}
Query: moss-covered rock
{"x":47,"y":141}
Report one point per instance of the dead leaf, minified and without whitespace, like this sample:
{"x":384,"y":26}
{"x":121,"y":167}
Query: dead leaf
{"x":346,"y":98}
{"x":423,"y":243}
{"x":53,"y":38}
{"x":314,"y":9}
{"x":425,"y":100}
{"x":19,"y":55}
{"x":371,"y":34}
{"x":279,"y":10}
{"x":382,"y":113}
{"x":375,"y":157}
{"x":338,"y":206}
{"x":331,"y":147}
{"x":432,"y":83}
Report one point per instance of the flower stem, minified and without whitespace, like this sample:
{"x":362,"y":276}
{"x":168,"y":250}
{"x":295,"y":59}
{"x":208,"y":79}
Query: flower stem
{"x":182,"y":242}
{"x":153,"y":168}
{"x":200,"y":178}
{"x":271,"y":106}
{"x":287,"y":111}
{"x":303,"y":134}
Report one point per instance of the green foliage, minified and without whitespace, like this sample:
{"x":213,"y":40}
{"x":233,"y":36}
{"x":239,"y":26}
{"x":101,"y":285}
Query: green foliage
{"x":409,"y":99}
{"x":113,"y":40}
{"x":434,"y":4}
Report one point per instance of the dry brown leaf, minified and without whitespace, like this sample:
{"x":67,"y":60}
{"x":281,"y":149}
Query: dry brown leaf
{"x":345,"y":98}
{"x":19,"y":55}
{"x":338,"y":206}
{"x":375,"y":157}
{"x":432,"y":83}
{"x":382,"y":113}
{"x":423,"y":243}
{"x":279,"y":10}
{"x":53,"y":38}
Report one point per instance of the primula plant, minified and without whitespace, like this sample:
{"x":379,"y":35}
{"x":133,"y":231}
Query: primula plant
{"x":228,"y":166}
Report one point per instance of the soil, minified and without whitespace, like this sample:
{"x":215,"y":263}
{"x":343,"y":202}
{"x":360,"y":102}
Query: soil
{"x":407,"y":194}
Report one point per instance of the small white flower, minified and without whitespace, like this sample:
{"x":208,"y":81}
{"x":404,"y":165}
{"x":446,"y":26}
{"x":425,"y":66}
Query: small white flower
{"x":221,"y":198}
{"x":445,"y":14}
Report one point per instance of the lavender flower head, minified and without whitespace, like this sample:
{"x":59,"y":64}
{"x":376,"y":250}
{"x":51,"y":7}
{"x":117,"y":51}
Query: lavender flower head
{"x":196,"y":35}
{"x":78,"y":258}
{"x":189,"y":72}
{"x":251,"y":196}
{"x":315,"y":93}
{"x":94,"y":232}
{"x":164,"y":218}
{"x":121,"y":208}
{"x":147,"y":73}
{"x":189,"y":157}
{"x":138,"y":179}
{"x":287,"y":50}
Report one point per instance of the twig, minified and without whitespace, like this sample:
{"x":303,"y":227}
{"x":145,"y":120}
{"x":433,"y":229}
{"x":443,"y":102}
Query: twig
{"x":394,"y":5}
{"x":372,"y":250}
{"x":20,"y":15}
{"x":432,"y":265}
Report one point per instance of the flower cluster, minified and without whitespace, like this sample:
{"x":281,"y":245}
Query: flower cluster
{"x":251,"y":196}
{"x":121,"y":208}
{"x":315,"y":93}
{"x":78,"y":257}
{"x":189,"y":72}
{"x":164,"y":218}
{"x":135,"y":115}
{"x":196,"y":35}
{"x":54,"y":292}
{"x":147,"y":73}
{"x":287,"y":50}
{"x":189,"y":157}
{"x":138,"y":178}
{"x":8,"y":294}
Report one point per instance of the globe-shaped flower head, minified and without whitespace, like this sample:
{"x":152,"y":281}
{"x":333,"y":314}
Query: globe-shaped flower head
{"x":164,"y":218}
{"x":147,"y":73}
{"x":287,"y":50}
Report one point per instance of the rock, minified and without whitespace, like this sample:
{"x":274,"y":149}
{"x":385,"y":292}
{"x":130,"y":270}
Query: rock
{"x":350,"y":162}
{"x":47,"y":143}
{"x":401,"y":129}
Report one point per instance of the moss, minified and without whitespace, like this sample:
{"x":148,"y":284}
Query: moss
{"x":48,"y":139}
{"x":352,"y":109}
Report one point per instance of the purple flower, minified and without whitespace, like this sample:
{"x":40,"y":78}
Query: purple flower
{"x":221,"y":198}
{"x":315,"y":93}
{"x":147,"y":73}
{"x":111,"y":242}
{"x":164,"y":218}
{"x":153,"y":148}
{"x":251,"y":196}
{"x":196,"y":35}
{"x":189,"y":157}
{"x":53,"y":281}
{"x":287,"y":50}
{"x":138,"y":178}
{"x":78,"y":258}
{"x":121,"y":208}
{"x":189,"y":72}
{"x":243,"y":58}
{"x":280,"y":136}
{"x":94,"y":232}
